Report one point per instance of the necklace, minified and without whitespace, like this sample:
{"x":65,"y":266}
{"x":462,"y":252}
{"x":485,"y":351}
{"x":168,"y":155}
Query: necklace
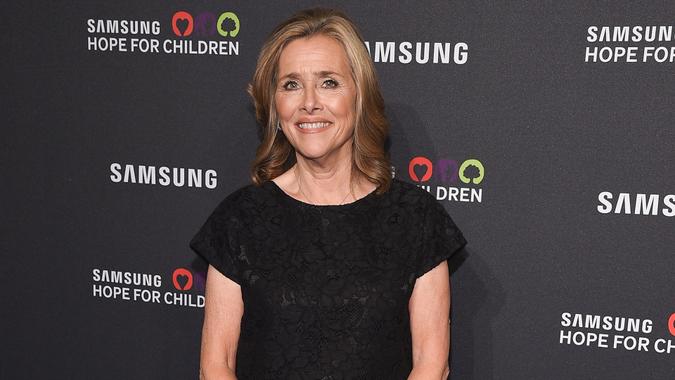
{"x":297,"y":179}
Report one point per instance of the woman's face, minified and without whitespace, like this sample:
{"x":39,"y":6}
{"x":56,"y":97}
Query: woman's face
{"x":315,"y":97}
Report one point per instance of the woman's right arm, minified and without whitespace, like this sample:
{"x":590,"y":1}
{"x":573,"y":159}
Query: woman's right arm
{"x":223,"y":310}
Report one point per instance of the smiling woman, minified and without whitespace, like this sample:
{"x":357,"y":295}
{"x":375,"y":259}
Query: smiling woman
{"x":325,"y":267}
{"x":315,"y":100}
{"x":334,"y":74}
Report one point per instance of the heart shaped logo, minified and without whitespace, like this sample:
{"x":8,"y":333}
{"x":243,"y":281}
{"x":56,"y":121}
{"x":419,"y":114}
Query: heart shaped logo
{"x":182,"y":279}
{"x":182,"y":24}
{"x":420,"y":169}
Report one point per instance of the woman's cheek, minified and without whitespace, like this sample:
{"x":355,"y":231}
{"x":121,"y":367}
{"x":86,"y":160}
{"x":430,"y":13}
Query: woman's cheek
{"x":284,"y":105}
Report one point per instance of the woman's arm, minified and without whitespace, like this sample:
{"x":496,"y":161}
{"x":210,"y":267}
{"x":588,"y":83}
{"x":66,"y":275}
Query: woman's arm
{"x":429,"y":309}
{"x":223,"y":310}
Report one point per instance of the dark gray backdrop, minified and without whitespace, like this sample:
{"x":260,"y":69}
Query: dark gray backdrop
{"x":551,"y":130}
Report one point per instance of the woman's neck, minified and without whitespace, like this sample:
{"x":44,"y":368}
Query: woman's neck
{"x":326,"y":183}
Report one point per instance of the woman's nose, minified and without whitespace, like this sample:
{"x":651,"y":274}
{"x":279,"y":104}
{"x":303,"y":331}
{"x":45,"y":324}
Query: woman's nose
{"x":311,"y":101}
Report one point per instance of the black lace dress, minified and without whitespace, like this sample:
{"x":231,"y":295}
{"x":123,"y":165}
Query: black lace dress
{"x":326,"y":288}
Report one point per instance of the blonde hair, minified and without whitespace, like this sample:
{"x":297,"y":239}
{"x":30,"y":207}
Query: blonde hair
{"x":275,"y":154}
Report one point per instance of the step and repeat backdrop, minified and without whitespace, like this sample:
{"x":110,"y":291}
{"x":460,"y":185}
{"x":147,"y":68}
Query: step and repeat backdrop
{"x":546,"y":129}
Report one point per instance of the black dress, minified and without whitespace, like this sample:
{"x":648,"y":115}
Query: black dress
{"x":326,"y":287}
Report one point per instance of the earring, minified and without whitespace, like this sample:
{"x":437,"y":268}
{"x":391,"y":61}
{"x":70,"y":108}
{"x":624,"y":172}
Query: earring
{"x":278,"y":126}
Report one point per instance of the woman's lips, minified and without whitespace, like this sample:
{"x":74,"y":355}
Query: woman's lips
{"x":313,"y":127}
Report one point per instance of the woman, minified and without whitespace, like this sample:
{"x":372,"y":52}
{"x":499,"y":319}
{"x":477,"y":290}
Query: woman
{"x":325,"y":267}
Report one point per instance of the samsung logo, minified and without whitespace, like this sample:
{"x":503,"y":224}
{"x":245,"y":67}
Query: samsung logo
{"x":637,"y":204}
{"x":163,"y":175}
{"x":418,"y":52}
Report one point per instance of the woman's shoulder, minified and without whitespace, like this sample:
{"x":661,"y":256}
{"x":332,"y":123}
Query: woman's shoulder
{"x":423,"y":206}
{"x":244,"y":198}
{"x":409,"y":193}
{"x":409,"y":198}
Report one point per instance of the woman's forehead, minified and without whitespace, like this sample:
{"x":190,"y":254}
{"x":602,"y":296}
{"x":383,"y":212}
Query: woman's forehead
{"x":313,"y":56}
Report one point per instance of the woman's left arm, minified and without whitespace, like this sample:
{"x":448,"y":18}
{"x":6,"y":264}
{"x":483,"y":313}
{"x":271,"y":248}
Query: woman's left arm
{"x":429,"y":309}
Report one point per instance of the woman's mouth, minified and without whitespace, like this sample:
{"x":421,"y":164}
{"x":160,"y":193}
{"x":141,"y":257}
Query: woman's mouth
{"x":315,"y":126}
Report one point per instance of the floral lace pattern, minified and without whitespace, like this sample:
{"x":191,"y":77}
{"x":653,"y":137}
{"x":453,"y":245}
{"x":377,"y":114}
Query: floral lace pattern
{"x":326,"y":287}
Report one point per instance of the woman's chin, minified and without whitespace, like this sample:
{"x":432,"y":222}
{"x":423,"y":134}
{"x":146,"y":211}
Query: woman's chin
{"x":317,"y":154}
{"x":317,"y":149}
{"x":313,"y":154}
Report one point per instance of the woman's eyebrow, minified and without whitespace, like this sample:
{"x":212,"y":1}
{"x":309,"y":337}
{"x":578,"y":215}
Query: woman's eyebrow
{"x":290,"y":76}
{"x":318,"y":74}
{"x":326,"y":73}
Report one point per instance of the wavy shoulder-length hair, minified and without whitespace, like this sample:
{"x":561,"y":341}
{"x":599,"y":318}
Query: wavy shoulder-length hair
{"x":275,"y":154}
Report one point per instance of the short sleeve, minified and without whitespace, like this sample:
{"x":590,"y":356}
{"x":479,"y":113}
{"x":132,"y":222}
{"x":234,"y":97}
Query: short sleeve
{"x":441,"y":238}
{"x":216,"y":242}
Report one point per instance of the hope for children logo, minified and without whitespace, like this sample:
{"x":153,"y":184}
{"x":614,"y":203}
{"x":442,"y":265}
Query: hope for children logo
{"x":205,"y":24}
{"x":117,"y":285}
{"x":616,"y":332}
{"x":205,"y":33}
{"x":448,"y":179}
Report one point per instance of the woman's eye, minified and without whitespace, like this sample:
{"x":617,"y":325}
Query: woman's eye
{"x":290,"y":85}
{"x":330,"y":83}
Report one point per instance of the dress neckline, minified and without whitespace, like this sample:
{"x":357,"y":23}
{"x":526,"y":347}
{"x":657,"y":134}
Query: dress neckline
{"x":355,"y":203}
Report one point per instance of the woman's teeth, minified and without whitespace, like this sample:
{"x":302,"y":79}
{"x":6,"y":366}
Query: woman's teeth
{"x":312,"y":125}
